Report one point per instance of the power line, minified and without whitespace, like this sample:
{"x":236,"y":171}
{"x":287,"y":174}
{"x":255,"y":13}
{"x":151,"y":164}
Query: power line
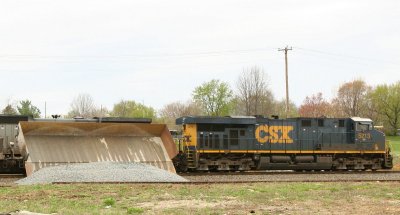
{"x":183,"y":54}
{"x":345,"y":56}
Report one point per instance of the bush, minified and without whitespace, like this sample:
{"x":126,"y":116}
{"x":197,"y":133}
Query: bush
{"x":109,"y":201}
{"x":134,"y":210}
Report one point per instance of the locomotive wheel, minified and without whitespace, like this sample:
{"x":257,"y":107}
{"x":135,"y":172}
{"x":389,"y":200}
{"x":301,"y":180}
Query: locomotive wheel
{"x":180,"y":163}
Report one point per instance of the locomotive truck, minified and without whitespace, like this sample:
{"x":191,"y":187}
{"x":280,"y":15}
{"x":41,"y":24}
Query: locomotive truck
{"x":258,"y":143}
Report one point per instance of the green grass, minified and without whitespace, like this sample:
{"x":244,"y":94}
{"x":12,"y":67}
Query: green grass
{"x":395,"y":143}
{"x":263,"y":198}
{"x":395,"y":148}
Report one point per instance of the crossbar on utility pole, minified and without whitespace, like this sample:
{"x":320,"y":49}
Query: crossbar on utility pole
{"x":286,"y":49}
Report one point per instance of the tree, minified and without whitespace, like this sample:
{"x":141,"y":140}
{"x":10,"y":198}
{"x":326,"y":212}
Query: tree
{"x":280,"y":109}
{"x":131,"y":108}
{"x":100,"y":112}
{"x":25,"y":107}
{"x":386,"y":101}
{"x":82,"y":106}
{"x":174,"y":110}
{"x":254,"y":97}
{"x":215,"y":98}
{"x":351,"y":99}
{"x":315,"y":106}
{"x":9,"y":110}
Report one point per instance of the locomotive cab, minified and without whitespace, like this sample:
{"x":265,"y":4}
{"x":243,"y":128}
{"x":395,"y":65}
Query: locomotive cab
{"x":363,"y":129}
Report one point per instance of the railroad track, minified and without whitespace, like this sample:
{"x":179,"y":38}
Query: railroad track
{"x":254,"y":177}
{"x":289,"y":172}
{"x":12,"y":176}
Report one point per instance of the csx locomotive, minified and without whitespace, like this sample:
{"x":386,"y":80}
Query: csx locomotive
{"x":258,"y":143}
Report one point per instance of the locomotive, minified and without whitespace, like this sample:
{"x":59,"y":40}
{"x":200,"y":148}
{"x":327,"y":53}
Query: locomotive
{"x":259,"y":143}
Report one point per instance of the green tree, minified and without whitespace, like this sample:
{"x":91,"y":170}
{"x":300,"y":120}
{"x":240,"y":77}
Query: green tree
{"x":386,"y":101}
{"x":131,"y":108}
{"x":280,"y":109}
{"x":9,"y":110}
{"x":25,"y":107}
{"x":215,"y":98}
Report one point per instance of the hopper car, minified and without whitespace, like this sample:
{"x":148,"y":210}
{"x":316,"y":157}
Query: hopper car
{"x":258,"y":143}
{"x":13,"y":154}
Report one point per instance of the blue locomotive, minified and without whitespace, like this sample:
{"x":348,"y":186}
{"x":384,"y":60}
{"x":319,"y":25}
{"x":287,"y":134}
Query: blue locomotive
{"x":258,"y":143}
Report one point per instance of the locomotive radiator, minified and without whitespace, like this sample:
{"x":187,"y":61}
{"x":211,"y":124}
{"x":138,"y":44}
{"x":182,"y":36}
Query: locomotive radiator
{"x":55,"y":143}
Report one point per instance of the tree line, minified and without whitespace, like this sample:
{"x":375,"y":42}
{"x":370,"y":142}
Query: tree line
{"x":250,"y":95}
{"x":380,"y":103}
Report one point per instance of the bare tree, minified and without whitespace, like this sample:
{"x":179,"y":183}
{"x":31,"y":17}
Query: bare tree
{"x":9,"y":110}
{"x":83,"y":106}
{"x":352,"y":99}
{"x":253,"y":95}
{"x":174,"y":110}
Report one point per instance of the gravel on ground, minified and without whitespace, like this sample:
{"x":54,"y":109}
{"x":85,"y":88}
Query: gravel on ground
{"x":100,"y":172}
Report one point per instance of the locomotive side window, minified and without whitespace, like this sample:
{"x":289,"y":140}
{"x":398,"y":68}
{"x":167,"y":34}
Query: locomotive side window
{"x":341,"y":123}
{"x":207,"y":139}
{"x":363,"y":127}
{"x":306,"y":123}
{"x":242,"y":133}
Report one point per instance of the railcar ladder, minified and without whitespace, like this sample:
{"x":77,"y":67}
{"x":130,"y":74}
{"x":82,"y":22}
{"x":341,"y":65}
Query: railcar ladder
{"x":191,"y":156}
{"x":388,"y":156}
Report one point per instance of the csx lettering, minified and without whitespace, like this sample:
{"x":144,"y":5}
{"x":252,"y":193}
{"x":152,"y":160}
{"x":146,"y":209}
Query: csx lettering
{"x":273,"y":134}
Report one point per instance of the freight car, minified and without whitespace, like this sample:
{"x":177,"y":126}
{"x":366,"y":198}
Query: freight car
{"x":258,"y":143}
{"x":13,"y":155}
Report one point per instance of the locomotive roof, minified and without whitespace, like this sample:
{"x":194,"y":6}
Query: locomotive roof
{"x":359,"y":119}
{"x":244,"y":120}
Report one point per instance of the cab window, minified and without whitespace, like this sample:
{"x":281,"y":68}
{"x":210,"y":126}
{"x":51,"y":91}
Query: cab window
{"x":364,"y":126}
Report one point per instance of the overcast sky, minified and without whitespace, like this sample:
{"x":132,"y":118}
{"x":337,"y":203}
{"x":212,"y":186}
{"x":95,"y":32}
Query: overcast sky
{"x":157,"y":52}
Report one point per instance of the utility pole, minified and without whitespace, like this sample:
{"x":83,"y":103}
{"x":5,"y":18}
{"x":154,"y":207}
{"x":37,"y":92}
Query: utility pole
{"x":286,"y":49}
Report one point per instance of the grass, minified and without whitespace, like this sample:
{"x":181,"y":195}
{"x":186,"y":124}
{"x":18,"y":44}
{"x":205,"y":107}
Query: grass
{"x":395,"y":143}
{"x":395,"y":148}
{"x":263,"y":198}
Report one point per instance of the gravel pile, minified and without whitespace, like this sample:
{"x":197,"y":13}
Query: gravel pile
{"x":101,"y":172}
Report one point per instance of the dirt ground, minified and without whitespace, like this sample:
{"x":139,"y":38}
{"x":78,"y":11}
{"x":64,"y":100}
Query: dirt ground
{"x":255,"y":198}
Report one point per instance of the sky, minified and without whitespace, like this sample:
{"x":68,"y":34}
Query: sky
{"x":157,"y":52}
